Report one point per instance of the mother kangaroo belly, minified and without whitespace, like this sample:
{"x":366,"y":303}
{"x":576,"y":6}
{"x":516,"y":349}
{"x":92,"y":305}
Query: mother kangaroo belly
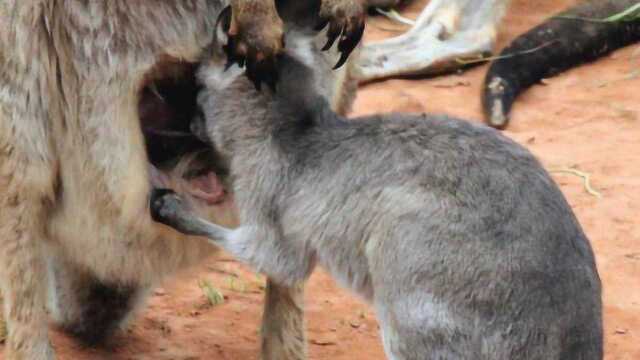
{"x":108,"y":144}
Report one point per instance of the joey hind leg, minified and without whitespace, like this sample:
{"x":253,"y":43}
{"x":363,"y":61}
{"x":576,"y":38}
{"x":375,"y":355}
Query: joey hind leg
{"x":283,"y":327}
{"x":257,"y":245}
{"x":87,"y":308}
{"x":283,"y":319}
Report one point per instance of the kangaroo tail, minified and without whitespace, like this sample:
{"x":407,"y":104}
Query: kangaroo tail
{"x":573,"y":37}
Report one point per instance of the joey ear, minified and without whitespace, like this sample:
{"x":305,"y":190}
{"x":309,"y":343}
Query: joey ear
{"x":223,"y":24}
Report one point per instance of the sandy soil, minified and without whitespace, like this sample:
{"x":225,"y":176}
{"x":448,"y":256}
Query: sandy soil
{"x":587,"y":119}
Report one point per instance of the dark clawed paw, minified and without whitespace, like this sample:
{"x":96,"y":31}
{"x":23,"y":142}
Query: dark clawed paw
{"x":346,"y":24}
{"x":234,"y":55}
{"x":260,"y":68}
{"x":348,"y":43}
{"x":256,"y":44}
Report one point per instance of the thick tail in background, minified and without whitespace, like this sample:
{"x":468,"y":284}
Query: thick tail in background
{"x":575,"y":36}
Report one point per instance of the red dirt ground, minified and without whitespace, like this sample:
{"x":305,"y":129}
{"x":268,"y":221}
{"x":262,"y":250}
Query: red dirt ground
{"x":587,"y":118}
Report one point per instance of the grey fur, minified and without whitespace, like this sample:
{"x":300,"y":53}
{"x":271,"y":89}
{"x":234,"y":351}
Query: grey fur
{"x":456,"y":234}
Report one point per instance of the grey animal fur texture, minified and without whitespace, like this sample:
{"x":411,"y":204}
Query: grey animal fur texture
{"x":456,"y":235}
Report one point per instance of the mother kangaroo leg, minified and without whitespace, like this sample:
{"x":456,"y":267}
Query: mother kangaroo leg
{"x":283,"y":323}
{"x":87,"y":308}
{"x":27,"y":183}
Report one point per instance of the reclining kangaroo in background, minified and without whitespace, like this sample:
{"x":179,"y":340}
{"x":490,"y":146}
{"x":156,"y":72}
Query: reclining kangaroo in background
{"x":460,"y":239}
{"x":448,"y":31}
{"x":96,"y":100}
{"x":575,"y":36}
